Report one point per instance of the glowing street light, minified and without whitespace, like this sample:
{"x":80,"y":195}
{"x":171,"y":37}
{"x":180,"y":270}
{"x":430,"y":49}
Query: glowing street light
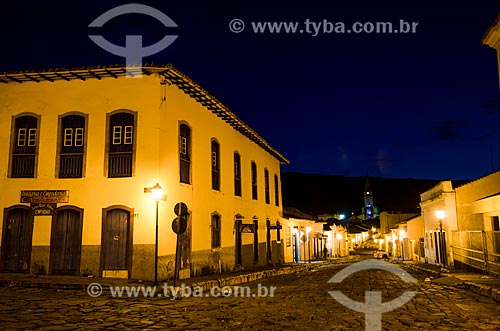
{"x":402,"y":234}
{"x":157,"y":192}
{"x":339,"y":238}
{"x":440,"y":214}
{"x":308,"y":231}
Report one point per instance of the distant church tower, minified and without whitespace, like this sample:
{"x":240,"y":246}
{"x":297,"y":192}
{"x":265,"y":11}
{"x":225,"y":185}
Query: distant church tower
{"x":369,"y":209}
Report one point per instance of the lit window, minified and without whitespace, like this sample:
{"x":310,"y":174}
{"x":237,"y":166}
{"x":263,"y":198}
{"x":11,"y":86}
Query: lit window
{"x":237,"y":174}
{"x":183,"y":145}
{"x":254,"y":181}
{"x":79,"y":137}
{"x":216,"y":227}
{"x":32,"y":137}
{"x":215,"y":165}
{"x":71,"y":151}
{"x":276,"y":191}
{"x":23,"y":152}
{"x":266,"y":186}
{"x":121,"y":145}
{"x":129,"y":130}
{"x":184,"y":153}
{"x":117,"y":135}
{"x":68,"y":137}
{"x":21,"y":137}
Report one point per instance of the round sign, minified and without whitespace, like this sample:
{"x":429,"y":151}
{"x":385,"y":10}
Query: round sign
{"x":181,"y":209}
{"x":179,"y":225}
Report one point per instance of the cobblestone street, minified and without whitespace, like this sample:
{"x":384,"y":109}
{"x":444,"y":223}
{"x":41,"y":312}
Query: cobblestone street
{"x":301,"y":301}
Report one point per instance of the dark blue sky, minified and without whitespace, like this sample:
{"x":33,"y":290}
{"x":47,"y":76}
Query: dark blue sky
{"x":423,"y":105}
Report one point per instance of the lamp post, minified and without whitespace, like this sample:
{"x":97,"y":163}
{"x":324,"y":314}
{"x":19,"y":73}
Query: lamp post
{"x":339,"y":238}
{"x":308,"y":231}
{"x":402,"y":234}
{"x":157,"y":191}
{"x":440,"y":214}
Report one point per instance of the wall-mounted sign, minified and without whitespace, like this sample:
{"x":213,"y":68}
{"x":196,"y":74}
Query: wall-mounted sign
{"x":247,"y":228}
{"x":45,"y":196}
{"x":39,"y":209}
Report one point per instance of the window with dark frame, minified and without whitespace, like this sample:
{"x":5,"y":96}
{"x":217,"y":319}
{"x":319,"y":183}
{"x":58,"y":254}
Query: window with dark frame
{"x":266,"y":186}
{"x":215,"y":165}
{"x":496,"y":223}
{"x":185,"y":153}
{"x":216,"y":231}
{"x":254,"y":181}
{"x":121,"y":145}
{"x":276,"y":191}
{"x":71,"y":151}
{"x":24,"y":151}
{"x":237,"y":174}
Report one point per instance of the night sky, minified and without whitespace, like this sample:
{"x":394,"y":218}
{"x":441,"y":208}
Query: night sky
{"x":423,"y":105}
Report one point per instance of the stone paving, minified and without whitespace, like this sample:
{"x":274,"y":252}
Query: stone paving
{"x":300,"y":302}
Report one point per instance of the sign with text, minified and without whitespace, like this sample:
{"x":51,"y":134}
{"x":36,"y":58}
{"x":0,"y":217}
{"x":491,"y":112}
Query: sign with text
{"x":45,"y":196}
{"x":247,"y":228}
{"x":40,"y":209}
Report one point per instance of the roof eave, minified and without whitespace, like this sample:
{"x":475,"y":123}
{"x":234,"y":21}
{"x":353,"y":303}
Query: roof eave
{"x":182,"y":81}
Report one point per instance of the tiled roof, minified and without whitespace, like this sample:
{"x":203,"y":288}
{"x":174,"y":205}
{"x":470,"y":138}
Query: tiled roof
{"x":169,"y":72}
{"x":485,"y":35}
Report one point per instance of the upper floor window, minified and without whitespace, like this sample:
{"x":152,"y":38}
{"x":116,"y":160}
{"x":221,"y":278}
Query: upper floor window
{"x":216,"y":242}
{"x":215,"y":165}
{"x":24,"y":149}
{"x":237,"y":174}
{"x":254,"y":181}
{"x":185,"y":153}
{"x":276,"y":191}
{"x":71,"y":149}
{"x":496,"y":223}
{"x":266,"y":186}
{"x":121,"y":144}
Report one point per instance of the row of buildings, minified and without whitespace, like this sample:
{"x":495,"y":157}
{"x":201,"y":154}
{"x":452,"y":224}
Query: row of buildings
{"x":85,"y":148}
{"x":458,"y":224}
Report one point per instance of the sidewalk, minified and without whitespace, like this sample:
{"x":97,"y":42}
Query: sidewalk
{"x":203,"y":282}
{"x":482,"y":284}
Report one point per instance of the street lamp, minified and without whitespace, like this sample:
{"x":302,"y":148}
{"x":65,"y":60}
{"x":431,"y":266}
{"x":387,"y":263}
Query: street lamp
{"x":440,"y":214}
{"x":339,"y":238}
{"x":308,"y":231}
{"x":157,"y":192}
{"x":402,"y":234}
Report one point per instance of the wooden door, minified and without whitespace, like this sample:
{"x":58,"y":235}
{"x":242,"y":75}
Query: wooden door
{"x":16,"y":240}
{"x":66,"y":242}
{"x":115,"y":240}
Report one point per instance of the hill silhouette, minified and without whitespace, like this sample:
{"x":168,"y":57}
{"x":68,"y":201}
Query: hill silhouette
{"x":316,"y":194}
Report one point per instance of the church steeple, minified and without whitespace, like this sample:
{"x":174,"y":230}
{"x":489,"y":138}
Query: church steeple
{"x":368,"y":208}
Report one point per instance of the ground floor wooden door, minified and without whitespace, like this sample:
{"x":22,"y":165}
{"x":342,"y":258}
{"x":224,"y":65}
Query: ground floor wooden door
{"x":16,"y":240}
{"x":66,"y":242}
{"x":115,"y":242}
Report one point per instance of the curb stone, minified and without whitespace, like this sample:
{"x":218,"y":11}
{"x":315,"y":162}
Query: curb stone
{"x":483,"y":290}
{"x":424,"y":270}
{"x":204,"y":285}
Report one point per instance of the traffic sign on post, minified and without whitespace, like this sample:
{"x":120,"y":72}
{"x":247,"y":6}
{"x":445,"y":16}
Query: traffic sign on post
{"x":181,"y":209}
{"x":179,"y":225}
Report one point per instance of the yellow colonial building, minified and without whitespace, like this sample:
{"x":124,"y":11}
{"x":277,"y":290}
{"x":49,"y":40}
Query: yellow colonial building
{"x":80,"y":150}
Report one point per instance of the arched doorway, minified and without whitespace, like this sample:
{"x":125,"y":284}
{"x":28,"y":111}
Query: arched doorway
{"x":16,"y":239}
{"x":66,"y":241}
